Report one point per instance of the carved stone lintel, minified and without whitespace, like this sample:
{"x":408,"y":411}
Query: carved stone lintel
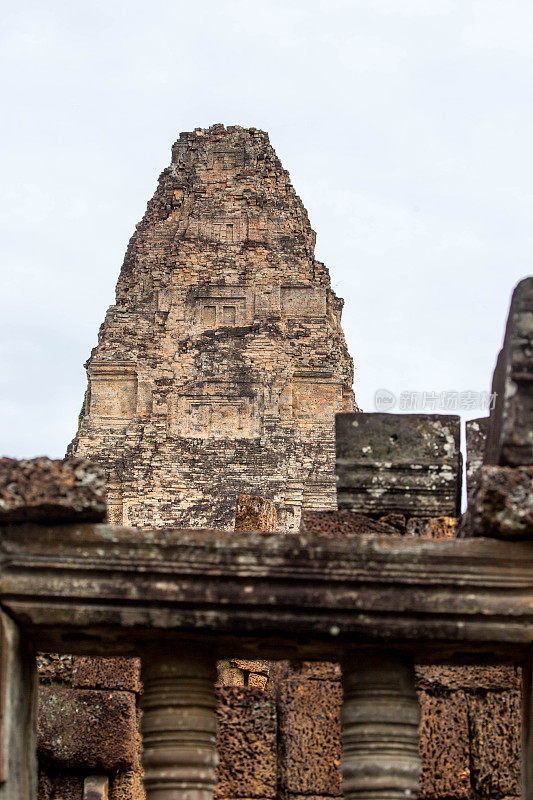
{"x":179,"y":724}
{"x":380,"y":717}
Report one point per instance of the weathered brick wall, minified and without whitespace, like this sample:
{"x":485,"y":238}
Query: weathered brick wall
{"x":470,"y":735}
{"x":88,"y":725}
{"x":220,"y":368}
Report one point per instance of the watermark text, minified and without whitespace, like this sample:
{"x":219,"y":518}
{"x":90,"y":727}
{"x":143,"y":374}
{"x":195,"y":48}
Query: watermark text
{"x":452,"y":400}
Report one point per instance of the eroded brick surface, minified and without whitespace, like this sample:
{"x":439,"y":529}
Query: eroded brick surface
{"x":246,"y":743}
{"x":445,"y":746}
{"x":471,"y":679}
{"x":43,"y":490}
{"x":495,"y":726}
{"x":309,"y":732}
{"x":86,"y":729}
{"x":107,"y":673}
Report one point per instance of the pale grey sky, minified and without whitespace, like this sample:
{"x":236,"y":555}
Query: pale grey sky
{"x":406,"y":125}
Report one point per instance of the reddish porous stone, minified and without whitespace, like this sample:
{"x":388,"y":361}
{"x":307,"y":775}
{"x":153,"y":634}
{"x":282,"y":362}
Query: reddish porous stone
{"x":319,"y":670}
{"x":55,"y":668}
{"x":495,"y":733}
{"x":126,"y":786}
{"x":43,"y":490}
{"x":474,"y":679}
{"x":398,"y":521}
{"x":346,"y":522}
{"x":444,"y":746}
{"x":432,"y":527}
{"x":246,"y":743}
{"x":262,"y":667}
{"x":87,"y":729}
{"x":107,"y":673}
{"x":309,"y":730}
{"x":60,"y":787}
{"x":255,"y":514}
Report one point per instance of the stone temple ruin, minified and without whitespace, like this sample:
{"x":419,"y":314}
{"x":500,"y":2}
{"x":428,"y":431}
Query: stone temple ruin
{"x":382,"y":650}
{"x":222,"y":365}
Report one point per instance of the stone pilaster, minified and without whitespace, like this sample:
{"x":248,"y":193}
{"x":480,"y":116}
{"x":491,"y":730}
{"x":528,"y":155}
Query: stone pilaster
{"x":179,"y":724}
{"x":380,"y":717}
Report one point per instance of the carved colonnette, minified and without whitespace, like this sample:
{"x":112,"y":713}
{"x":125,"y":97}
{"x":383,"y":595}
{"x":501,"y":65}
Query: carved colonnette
{"x":380,"y":719}
{"x":179,"y":722}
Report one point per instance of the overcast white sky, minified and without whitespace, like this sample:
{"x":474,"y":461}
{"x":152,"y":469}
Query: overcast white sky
{"x":406,"y":125}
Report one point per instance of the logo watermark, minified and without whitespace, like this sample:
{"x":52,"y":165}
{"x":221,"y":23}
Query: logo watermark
{"x":384,"y":400}
{"x":452,"y":400}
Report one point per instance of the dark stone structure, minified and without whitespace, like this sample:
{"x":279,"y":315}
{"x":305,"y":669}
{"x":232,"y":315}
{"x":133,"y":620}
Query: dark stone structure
{"x":510,"y":434}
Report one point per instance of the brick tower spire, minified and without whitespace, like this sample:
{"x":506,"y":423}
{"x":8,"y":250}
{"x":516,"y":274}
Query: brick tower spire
{"x":220,"y":368}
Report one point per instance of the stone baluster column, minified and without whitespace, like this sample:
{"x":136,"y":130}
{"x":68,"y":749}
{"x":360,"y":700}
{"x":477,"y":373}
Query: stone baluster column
{"x":380,"y":718}
{"x":179,"y":723}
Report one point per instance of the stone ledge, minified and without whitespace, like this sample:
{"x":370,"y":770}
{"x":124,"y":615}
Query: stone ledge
{"x":322,"y":591}
{"x":46,"y":491}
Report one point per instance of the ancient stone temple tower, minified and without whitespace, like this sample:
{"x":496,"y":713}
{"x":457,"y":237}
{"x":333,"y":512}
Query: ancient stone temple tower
{"x":220,"y":368}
